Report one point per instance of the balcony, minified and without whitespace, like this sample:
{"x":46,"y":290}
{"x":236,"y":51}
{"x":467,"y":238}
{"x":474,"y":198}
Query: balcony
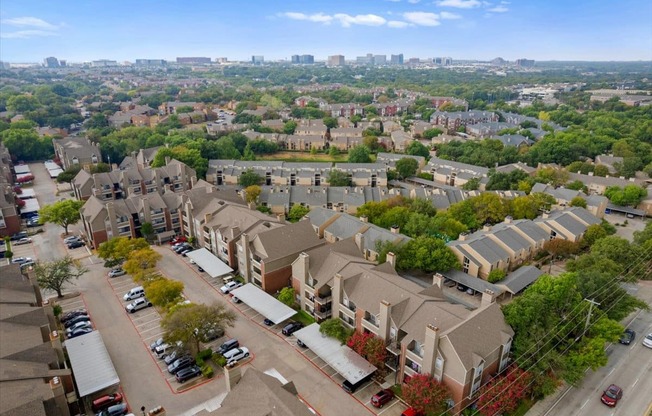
{"x":347,"y":311}
{"x":410,"y":372}
{"x":414,"y":355}
{"x":394,"y":347}
{"x":323,"y":314}
{"x":323,"y":300}
{"x":370,"y":325}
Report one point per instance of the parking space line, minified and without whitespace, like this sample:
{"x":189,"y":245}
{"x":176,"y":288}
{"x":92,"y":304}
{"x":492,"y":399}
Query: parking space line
{"x":147,"y":330}
{"x":145,"y":323}
{"x":152,"y":337}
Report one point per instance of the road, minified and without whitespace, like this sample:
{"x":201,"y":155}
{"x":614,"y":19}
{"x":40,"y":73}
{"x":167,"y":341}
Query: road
{"x":630,"y":367}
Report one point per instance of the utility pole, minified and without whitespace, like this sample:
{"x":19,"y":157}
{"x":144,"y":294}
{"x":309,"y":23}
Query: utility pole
{"x":588,"y":316}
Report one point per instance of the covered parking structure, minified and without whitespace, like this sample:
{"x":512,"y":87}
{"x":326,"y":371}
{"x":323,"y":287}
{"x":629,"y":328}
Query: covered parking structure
{"x":474,"y":283}
{"x":341,"y":358}
{"x":91,"y":364}
{"x":632,"y":212}
{"x":209,"y":262}
{"x":264,"y":303}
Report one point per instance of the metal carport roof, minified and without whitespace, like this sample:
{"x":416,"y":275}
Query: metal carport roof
{"x":91,"y":364}
{"x":474,"y":283}
{"x":209,"y":262}
{"x":264,"y":303}
{"x":343,"y":359}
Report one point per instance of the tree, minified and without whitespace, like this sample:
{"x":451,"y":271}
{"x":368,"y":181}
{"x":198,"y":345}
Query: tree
{"x":289,"y":127}
{"x":337,"y":177}
{"x":191,"y":323}
{"x":430,"y":133}
{"x":578,"y":201}
{"x":252,"y":193}
{"x":617,"y":249}
{"x":117,"y":249}
{"x":330,"y":122}
{"x":359,"y":154}
{"x":249,"y":177}
{"x":425,"y":394}
{"x":415,"y":148}
{"x":100,"y":168}
{"x":164,"y":292}
{"x":333,"y":151}
{"x":358,"y":341}
{"x":141,"y":264}
{"x":630,"y":195}
{"x":297,"y":212}
{"x":147,"y":230}
{"x":593,"y":233}
{"x":287,"y":296}
{"x":472,"y":184}
{"x":406,"y":167}
{"x":427,"y":254}
{"x":558,"y":247}
{"x":25,"y":144}
{"x":334,"y":328}
{"x":56,"y":274}
{"x":601,"y":170}
{"x":22,"y":103}
{"x":63,"y":213}
{"x":503,"y":394}
{"x":69,"y":174}
{"x":496,"y":275}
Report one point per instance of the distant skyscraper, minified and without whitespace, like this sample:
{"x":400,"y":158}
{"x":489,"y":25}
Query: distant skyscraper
{"x":525,"y":63}
{"x":51,"y":62}
{"x":397,"y":59}
{"x":257,"y":59}
{"x":194,"y":60}
{"x":63,"y":63}
{"x":150,"y":62}
{"x":380,"y":59}
{"x":368,"y":59}
{"x":221,"y":60}
{"x":336,"y":60}
{"x":295,"y":59}
{"x":443,"y":61}
{"x":103,"y":63}
{"x":307,"y":59}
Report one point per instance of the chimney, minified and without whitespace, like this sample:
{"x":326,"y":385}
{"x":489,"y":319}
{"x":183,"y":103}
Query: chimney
{"x":207,"y":217}
{"x":193,"y":181}
{"x":391,"y":258}
{"x":304,"y":265}
{"x":359,"y":241}
{"x":430,"y":347}
{"x":280,"y":218}
{"x":488,"y":297}
{"x":486,"y":227}
{"x":167,"y":160}
{"x":545,"y":214}
{"x":233,"y":376}
{"x":59,"y":394}
{"x":395,"y":229}
{"x":508,"y":219}
{"x":463,"y":236}
{"x":337,"y":294}
{"x":385,"y":320}
{"x":438,"y":280}
{"x":364,"y":218}
{"x":590,"y":173}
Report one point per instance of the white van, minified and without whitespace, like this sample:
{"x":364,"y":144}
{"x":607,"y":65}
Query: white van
{"x":135,"y":293}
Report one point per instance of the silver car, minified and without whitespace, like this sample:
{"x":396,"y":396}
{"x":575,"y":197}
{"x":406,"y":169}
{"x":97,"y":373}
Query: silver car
{"x":138,"y":304}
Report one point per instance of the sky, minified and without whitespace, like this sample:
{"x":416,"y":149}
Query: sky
{"x":126,"y":30}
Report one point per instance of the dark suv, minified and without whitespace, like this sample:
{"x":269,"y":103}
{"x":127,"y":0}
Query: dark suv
{"x":227,"y":346}
{"x":291,"y":328}
{"x":181,"y":363}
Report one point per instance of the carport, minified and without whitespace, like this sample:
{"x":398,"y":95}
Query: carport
{"x":31,"y":205}
{"x":471,"y":282}
{"x":519,"y":280}
{"x":209,"y":262}
{"x":264,"y":303}
{"x":343,"y":359}
{"x":624,"y":210}
{"x":91,"y":364}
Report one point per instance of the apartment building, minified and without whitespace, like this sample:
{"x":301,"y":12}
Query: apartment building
{"x":455,"y":119}
{"x":103,"y":220}
{"x":175,"y":176}
{"x":365,"y":174}
{"x":455,"y":173}
{"x":595,"y":204}
{"x":76,"y":151}
{"x":9,"y":215}
{"x":507,"y":245}
{"x":35,"y":380}
{"x":424,"y":333}
{"x":266,"y":259}
{"x":280,"y":199}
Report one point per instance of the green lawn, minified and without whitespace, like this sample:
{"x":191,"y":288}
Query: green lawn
{"x":304,"y":317}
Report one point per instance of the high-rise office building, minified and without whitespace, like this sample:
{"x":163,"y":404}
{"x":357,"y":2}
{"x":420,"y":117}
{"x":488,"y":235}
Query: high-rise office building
{"x":295,"y":59}
{"x":194,"y":60}
{"x":368,"y":59}
{"x":257,"y":59}
{"x":150,"y":62}
{"x":336,"y":60}
{"x":380,"y":59}
{"x":397,"y":59}
{"x":525,"y":63}
{"x":307,"y":59}
{"x":51,"y":62}
{"x":445,"y":61}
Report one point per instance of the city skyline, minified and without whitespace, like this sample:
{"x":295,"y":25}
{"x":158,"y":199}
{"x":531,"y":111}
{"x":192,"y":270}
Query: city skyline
{"x":31,"y":30}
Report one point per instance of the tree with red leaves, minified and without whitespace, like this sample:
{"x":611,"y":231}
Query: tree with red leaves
{"x":375,"y":352}
{"x":24,"y":179}
{"x":425,"y":394}
{"x":358,"y":341}
{"x":503,"y":394}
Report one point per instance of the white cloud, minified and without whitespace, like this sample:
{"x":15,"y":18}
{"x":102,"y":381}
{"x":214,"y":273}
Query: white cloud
{"x":449,"y":16}
{"x":460,"y":4}
{"x":317,"y":17}
{"x":26,"y":34}
{"x":422,"y":18}
{"x":499,"y":9}
{"x":413,"y":1}
{"x":346,"y":20}
{"x":29,"y":21}
{"x":397,"y":24}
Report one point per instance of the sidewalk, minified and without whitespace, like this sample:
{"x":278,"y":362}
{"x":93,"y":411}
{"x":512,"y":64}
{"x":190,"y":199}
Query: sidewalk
{"x":543,"y":407}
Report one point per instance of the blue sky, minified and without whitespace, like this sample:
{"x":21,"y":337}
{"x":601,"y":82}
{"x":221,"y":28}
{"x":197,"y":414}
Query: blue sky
{"x":83,"y":30}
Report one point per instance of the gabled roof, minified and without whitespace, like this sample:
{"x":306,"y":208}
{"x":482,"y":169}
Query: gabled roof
{"x":284,"y":241}
{"x":519,"y":279}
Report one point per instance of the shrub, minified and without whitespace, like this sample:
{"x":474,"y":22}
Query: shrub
{"x":207,"y":371}
{"x":205,"y":354}
{"x":219,"y":359}
{"x":57,"y":309}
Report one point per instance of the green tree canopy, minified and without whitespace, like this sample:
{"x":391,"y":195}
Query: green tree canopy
{"x":427,"y":254}
{"x":337,"y":177}
{"x":249,"y":178}
{"x":55,"y":275}
{"x":297,"y":212}
{"x":190,"y":323}
{"x":406,"y":167}
{"x":63,"y":213}
{"x":359,"y":154}
{"x":415,"y":148}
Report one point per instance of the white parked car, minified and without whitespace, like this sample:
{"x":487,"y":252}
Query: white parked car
{"x":117,"y":272}
{"x":647,"y":341}
{"x":82,"y":324}
{"x":71,"y":239}
{"x":227,"y":288}
{"x":138,"y":304}
{"x":22,"y":241}
{"x":21,"y":260}
{"x":235,"y":355}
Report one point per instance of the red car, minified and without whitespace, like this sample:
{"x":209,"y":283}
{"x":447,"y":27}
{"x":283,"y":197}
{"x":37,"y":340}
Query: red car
{"x":107,"y":401}
{"x":179,"y":239}
{"x":411,"y":411}
{"x":382,"y":397}
{"x":611,"y":396}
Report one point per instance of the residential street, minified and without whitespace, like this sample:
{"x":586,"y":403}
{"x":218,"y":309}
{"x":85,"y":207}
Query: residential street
{"x":629,"y":367}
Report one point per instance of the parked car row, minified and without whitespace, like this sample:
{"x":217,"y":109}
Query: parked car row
{"x":76,"y":323}
{"x":73,"y":242}
{"x":138,"y":300}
